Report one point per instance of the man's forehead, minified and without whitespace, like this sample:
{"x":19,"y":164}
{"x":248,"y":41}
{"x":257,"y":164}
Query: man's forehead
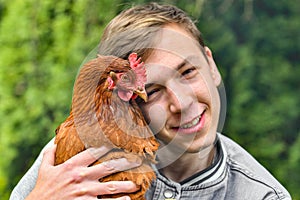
{"x":176,"y":40}
{"x":169,"y":59}
{"x":163,"y":57}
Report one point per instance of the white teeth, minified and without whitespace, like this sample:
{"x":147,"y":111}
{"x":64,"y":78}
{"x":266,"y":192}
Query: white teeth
{"x":191,"y":124}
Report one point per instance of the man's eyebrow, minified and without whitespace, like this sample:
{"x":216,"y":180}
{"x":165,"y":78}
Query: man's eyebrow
{"x":182,"y":64}
{"x":187,"y":60}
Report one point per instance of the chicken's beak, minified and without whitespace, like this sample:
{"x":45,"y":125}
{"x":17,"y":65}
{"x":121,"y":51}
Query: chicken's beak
{"x":113,"y":75}
{"x":142,"y":94}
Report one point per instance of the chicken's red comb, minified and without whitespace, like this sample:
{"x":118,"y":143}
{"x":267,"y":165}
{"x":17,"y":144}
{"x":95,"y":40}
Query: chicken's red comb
{"x":138,"y":67}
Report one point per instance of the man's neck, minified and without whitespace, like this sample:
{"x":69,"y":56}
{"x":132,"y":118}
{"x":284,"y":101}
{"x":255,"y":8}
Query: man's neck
{"x":187,"y":164}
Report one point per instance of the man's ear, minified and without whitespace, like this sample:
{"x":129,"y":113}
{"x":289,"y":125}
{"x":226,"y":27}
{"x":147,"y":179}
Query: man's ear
{"x":213,"y":67}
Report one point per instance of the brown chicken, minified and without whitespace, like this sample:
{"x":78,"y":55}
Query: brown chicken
{"x":104,"y":112}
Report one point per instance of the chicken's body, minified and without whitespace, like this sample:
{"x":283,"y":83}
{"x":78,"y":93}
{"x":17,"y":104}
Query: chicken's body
{"x":101,"y":115}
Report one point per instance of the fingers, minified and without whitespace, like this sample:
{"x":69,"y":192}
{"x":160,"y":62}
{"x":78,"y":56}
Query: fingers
{"x":112,"y":166}
{"x":122,"y":164}
{"x":77,"y":166}
{"x":75,"y":179}
{"x":120,"y":198}
{"x":88,"y":156}
{"x":112,"y":187}
{"x":123,"y":198}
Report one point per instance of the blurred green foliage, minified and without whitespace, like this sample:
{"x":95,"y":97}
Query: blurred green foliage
{"x":256,"y":44}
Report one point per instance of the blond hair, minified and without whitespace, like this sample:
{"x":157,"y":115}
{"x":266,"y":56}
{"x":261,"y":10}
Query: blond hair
{"x":135,"y":29}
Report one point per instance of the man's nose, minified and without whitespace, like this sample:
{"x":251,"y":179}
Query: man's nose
{"x":180,"y":97}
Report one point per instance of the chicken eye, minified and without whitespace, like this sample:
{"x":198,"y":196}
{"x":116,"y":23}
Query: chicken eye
{"x":125,"y":77}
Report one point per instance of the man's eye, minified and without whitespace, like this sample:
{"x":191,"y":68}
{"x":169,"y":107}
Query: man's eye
{"x":153,"y":91}
{"x":188,"y":71}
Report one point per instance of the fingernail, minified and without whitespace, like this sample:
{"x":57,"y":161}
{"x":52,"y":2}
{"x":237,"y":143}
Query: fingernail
{"x":99,"y":152}
{"x":124,"y":164}
{"x":127,"y":198}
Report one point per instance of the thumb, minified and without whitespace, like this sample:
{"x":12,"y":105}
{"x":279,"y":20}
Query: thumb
{"x":49,"y":155}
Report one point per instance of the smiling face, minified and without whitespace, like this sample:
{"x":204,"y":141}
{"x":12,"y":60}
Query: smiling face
{"x":183,"y":102}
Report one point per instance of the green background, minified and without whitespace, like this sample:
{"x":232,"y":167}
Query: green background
{"x":256,"y":44}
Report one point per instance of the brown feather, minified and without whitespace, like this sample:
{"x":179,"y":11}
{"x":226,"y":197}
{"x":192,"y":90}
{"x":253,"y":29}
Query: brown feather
{"x":99,"y":117}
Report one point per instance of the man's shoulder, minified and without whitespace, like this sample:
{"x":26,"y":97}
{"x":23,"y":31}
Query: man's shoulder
{"x":247,"y":174}
{"x":27,"y":182}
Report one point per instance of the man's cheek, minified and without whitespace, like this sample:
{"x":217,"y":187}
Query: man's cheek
{"x":156,"y":117}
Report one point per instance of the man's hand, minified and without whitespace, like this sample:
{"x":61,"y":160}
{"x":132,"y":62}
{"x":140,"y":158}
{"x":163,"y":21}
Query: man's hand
{"x":73,"y":179}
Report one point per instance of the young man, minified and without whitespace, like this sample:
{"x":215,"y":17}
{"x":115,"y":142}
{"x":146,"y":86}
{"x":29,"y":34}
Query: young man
{"x":183,"y":109}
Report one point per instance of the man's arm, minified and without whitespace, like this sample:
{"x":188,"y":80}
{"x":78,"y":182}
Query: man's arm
{"x":27,"y":183}
{"x":74,"y":178}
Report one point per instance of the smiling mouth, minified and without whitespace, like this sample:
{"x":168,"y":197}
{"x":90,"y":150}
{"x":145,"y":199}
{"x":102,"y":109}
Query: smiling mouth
{"x":193,"y":126}
{"x":192,"y":123}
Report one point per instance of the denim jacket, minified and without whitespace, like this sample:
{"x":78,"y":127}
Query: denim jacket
{"x":235,"y":174}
